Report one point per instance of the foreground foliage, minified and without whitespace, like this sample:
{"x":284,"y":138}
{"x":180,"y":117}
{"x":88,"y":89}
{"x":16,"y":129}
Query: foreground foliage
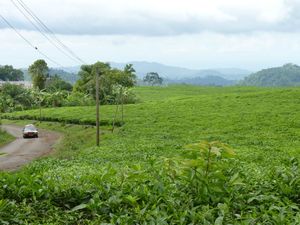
{"x":167,"y":164}
{"x":146,"y":193}
{"x":17,"y":98}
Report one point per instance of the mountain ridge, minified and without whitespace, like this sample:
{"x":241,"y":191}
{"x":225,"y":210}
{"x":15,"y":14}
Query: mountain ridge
{"x":173,"y":74}
{"x":286,"y":75}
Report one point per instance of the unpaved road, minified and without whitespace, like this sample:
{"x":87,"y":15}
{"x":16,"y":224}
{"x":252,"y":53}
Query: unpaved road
{"x":22,"y":151}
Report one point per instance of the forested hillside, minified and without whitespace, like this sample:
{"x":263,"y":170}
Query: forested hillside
{"x":204,"y":81}
{"x":287,"y":75}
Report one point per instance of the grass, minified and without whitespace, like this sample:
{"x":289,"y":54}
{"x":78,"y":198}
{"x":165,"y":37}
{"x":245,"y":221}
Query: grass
{"x":127,"y":179}
{"x":5,"y":138}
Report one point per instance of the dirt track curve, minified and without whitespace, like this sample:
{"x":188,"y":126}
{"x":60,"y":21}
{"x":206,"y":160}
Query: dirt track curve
{"x":22,"y":151}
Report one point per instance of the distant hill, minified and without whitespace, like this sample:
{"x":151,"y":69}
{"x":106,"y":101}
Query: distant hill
{"x":142,"y":68}
{"x":70,"y":69}
{"x":211,"y":80}
{"x":67,"y":76}
{"x":173,"y":74}
{"x":233,"y":73}
{"x":287,"y":75}
{"x":177,"y":73}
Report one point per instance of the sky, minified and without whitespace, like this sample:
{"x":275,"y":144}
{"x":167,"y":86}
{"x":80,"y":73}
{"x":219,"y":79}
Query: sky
{"x":198,"y":34}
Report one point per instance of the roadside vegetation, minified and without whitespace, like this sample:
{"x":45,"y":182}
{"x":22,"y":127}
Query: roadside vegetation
{"x":5,"y":138}
{"x":53,"y":91}
{"x":8,"y":73}
{"x":184,"y":155}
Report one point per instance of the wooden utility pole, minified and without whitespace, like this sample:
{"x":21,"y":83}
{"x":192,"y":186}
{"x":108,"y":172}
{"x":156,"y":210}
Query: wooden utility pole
{"x":97,"y":108}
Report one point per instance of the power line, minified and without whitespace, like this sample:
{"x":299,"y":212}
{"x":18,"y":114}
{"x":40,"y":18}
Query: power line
{"x":48,"y":30}
{"x":28,"y":42}
{"x":40,"y":31}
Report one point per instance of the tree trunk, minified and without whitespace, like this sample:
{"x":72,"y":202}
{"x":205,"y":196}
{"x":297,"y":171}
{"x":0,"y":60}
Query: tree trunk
{"x":122,"y":102}
{"x":97,"y":110}
{"x":115,"y":117}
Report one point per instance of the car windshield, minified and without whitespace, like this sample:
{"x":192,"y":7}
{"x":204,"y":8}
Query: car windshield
{"x":30,"y":128}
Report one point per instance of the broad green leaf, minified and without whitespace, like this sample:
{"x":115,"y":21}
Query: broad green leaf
{"x":79,"y":207}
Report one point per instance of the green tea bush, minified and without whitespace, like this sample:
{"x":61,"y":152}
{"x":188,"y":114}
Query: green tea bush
{"x":161,"y":191}
{"x":148,"y":173}
{"x":83,"y":121}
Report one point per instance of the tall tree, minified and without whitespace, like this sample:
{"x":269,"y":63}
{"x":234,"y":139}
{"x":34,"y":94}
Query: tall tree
{"x":108,"y":79}
{"x":153,"y":78}
{"x":129,"y":69}
{"x":129,"y":78}
{"x":39,"y":72}
{"x":86,"y":82}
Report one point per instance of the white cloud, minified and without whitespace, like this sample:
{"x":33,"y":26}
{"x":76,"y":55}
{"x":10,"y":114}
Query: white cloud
{"x":156,"y":17}
{"x":191,"y":33}
{"x":205,"y":50}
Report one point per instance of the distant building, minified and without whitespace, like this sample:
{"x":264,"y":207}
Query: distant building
{"x":25,"y":84}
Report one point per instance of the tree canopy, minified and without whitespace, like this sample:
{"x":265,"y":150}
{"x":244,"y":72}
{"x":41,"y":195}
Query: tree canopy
{"x":15,"y":97}
{"x":56,"y":83}
{"x":53,"y":91}
{"x":109,"y":77}
{"x":153,"y":78}
{"x":8,"y":73}
{"x":39,"y":72}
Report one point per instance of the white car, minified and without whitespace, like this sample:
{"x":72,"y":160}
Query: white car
{"x":30,"y":131}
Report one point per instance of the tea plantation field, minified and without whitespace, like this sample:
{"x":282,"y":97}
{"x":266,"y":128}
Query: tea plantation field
{"x":244,"y":168}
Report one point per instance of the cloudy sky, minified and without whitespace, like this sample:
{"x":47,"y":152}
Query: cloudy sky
{"x":249,"y":34}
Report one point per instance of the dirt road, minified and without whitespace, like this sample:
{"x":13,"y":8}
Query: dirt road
{"x":22,"y":151}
